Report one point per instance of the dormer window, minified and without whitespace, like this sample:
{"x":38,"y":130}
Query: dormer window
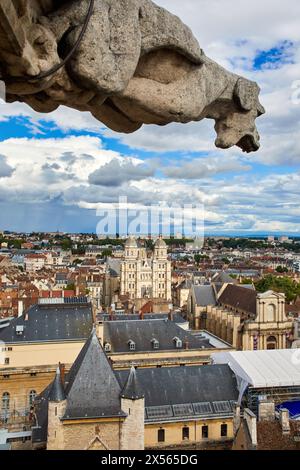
{"x":131,"y":345}
{"x":178,"y":343}
{"x":107,"y":347}
{"x":155,"y":343}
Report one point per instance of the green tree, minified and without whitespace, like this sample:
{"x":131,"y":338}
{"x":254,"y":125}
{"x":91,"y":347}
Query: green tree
{"x":70,"y":286}
{"x":282,"y":269}
{"x":279,"y":284}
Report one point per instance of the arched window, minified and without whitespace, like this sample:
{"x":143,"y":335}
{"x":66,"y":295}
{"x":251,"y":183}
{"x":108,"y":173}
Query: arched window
{"x":5,"y":401}
{"x":32,"y":396}
{"x":271,"y":342}
{"x":271,"y":313}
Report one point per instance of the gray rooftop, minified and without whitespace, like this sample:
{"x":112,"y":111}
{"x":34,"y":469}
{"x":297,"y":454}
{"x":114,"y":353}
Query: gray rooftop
{"x":92,"y":389}
{"x":57,"y":392}
{"x":223,"y":278}
{"x":114,"y":266}
{"x":61,"y":322}
{"x":143,"y":333}
{"x":132,"y":389}
{"x":204,"y":295}
{"x":190,"y":391}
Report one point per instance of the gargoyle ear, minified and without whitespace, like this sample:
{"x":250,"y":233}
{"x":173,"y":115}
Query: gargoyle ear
{"x":246,"y":94}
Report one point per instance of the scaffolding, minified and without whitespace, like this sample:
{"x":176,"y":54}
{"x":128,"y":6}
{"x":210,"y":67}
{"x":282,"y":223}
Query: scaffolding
{"x":277,"y":394}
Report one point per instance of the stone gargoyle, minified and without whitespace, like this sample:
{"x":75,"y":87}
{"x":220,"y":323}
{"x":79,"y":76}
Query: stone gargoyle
{"x":135,"y":64}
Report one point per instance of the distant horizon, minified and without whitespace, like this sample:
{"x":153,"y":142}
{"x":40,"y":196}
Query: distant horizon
{"x":187,"y":236}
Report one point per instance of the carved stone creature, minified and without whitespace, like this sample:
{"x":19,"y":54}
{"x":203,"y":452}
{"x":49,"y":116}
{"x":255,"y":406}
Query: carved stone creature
{"x":136,"y":64}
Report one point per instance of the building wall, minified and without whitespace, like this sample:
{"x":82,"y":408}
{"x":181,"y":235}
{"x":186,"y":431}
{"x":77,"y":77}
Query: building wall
{"x":55,"y":435}
{"x":81,"y":436}
{"x":133,"y":429}
{"x":41,"y":354}
{"x":173,"y":432}
{"x":175,"y":357}
{"x":19,"y":385}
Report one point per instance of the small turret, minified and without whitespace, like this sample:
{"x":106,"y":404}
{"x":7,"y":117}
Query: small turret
{"x":133,"y":404}
{"x":132,"y":389}
{"x":57,"y":392}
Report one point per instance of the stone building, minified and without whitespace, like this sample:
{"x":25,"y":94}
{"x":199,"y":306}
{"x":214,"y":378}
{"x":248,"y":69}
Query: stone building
{"x":31,"y":347}
{"x":146,"y":277}
{"x":95,"y":407}
{"x":154,"y":342}
{"x":89,"y":410}
{"x":251,"y":321}
{"x":241,"y":316}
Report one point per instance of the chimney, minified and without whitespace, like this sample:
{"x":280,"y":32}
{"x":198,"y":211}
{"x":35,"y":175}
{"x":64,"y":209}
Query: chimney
{"x":250,"y":419}
{"x":100,"y":331}
{"x":20,"y":308}
{"x":266,"y":409}
{"x":62,"y":369}
{"x":284,"y":419}
{"x":186,"y":345}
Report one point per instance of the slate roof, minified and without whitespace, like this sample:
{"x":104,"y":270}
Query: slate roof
{"x":143,"y":332}
{"x":57,"y":392}
{"x":114,"y":266}
{"x":223,"y":278}
{"x":240,"y":298}
{"x":204,"y":295}
{"x":92,"y":390}
{"x":57,"y":322}
{"x":186,"y":391}
{"x":132,"y":388}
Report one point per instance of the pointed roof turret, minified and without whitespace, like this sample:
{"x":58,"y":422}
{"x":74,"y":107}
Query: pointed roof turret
{"x":57,"y":392}
{"x":132,"y":389}
{"x":92,"y":390}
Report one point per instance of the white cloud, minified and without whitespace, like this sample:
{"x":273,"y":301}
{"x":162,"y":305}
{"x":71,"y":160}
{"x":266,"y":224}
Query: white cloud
{"x":231,"y":32}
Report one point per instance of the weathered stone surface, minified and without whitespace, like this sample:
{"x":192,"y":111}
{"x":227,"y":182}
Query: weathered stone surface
{"x":136,"y":64}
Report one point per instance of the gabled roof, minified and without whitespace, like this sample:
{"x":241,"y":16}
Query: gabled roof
{"x":132,"y":389}
{"x":204,"y":295}
{"x":141,"y":332}
{"x":240,"y":298}
{"x":92,"y":389}
{"x":223,"y":278}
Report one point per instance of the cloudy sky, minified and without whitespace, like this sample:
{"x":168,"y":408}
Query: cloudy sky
{"x":56,"y":169}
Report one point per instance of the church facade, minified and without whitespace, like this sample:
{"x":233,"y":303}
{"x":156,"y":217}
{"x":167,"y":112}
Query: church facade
{"x":143,"y":277}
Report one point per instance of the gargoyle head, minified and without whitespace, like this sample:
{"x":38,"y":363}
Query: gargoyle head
{"x":238,"y":126}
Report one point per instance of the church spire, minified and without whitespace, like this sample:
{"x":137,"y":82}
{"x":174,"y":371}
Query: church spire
{"x":132,"y":389}
{"x":57,"y":392}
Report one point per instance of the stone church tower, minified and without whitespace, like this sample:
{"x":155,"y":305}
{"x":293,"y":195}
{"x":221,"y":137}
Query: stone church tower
{"x":146,"y":277}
